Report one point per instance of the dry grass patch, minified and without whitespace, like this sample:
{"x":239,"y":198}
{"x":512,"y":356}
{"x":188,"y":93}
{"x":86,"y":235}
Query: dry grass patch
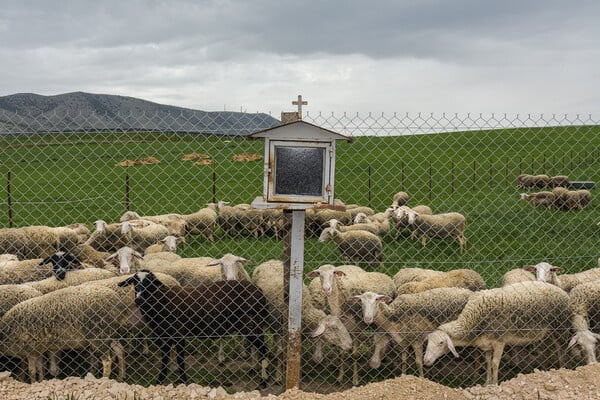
{"x":138,"y":161}
{"x":246,"y":157}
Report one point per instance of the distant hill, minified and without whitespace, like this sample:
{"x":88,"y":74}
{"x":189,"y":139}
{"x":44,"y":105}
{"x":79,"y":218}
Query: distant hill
{"x":27,"y":113}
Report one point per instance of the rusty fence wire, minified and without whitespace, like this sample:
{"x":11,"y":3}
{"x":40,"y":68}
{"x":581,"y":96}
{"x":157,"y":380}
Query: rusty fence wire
{"x":389,"y":289}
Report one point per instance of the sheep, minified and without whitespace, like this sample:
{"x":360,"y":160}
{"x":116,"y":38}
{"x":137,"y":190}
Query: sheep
{"x":356,"y":246}
{"x":354,"y":210}
{"x":381,"y":222}
{"x":339,"y":284}
{"x":447,"y":225}
{"x":106,"y":237}
{"x":127,"y":260}
{"x":410,"y":317}
{"x":71,"y":278}
{"x":89,"y":255}
{"x":545,"y":199}
{"x":141,"y":238}
{"x":214,"y":310}
{"x":517,"y":275}
{"x":61,"y":263}
{"x":402,"y":214}
{"x":373,"y":227}
{"x":526,"y":181}
{"x":571,"y":199}
{"x":268,"y":276}
{"x":519,"y":314}
{"x":400,"y":199}
{"x":546,"y":272}
{"x":13,"y":294}
{"x":461,"y":278}
{"x":202,"y":222}
{"x":75,"y":317}
{"x":227,"y":218}
{"x":232,"y":267}
{"x":274,"y":221}
{"x":322,"y":216}
{"x":559,"y":181}
{"x":16,"y":272}
{"x":168,"y":243}
{"x":7,"y":259}
{"x":406,"y":275}
{"x":29,"y":241}
{"x":585,"y":302}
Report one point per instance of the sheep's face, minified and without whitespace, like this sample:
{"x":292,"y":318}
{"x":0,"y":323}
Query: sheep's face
{"x":326,"y":274}
{"x":127,"y":259}
{"x":544,"y":271}
{"x":144,"y":283}
{"x":587,"y":341}
{"x":438,"y":344}
{"x":332,"y":330}
{"x":369,"y":303}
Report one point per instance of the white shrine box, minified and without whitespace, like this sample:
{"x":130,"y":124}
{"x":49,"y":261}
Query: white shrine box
{"x":299,"y":165}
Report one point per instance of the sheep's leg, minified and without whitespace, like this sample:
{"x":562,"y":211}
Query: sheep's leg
{"x":498,"y":348}
{"x":106,"y":364}
{"x":381,"y":341}
{"x":221,"y":353}
{"x":418,"y":349}
{"x":488,"y":366}
{"x":258,"y":342}
{"x":54,"y":369}
{"x":119,"y":352}
{"x":34,"y":365}
{"x":318,"y":351}
{"x":404,"y":362}
{"x":180,"y":350}
{"x":165,"y":349}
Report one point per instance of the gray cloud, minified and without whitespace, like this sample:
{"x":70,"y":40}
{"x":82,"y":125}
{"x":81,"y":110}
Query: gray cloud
{"x":431,"y":54}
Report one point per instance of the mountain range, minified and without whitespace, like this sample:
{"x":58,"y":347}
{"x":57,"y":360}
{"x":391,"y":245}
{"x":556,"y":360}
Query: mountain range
{"x":28,"y":113}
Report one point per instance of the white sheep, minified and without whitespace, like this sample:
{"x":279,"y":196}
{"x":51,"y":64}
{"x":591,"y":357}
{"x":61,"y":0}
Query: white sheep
{"x":585,"y":302}
{"x":400,"y":216}
{"x":106,"y":237}
{"x":517,"y":275}
{"x":175,"y":223}
{"x":168,"y":243}
{"x":460,"y":278}
{"x":141,"y":238}
{"x":340,"y":284}
{"x":546,"y":272}
{"x":6,"y":259}
{"x":519,"y":314}
{"x":409,"y":318}
{"x":232,"y":267}
{"x":571,"y":199}
{"x":72,"y":278}
{"x":406,"y":275}
{"x":76,"y":317}
{"x":545,"y":199}
{"x":34,"y":241}
{"x":400,"y":199}
{"x":355,"y":246}
{"x":202,"y":222}
{"x":268,"y":276}
{"x":447,"y":225}
{"x":15,"y":272}
{"x":373,"y":227}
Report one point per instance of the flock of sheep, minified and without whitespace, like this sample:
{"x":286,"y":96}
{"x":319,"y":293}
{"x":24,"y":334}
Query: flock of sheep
{"x":68,"y":289}
{"x":560,"y":197}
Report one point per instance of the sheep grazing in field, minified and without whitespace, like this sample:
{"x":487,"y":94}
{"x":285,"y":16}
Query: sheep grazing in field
{"x":202,"y":222}
{"x":447,"y":225}
{"x":519,"y":314}
{"x":527,"y":181}
{"x":357,"y":246}
{"x":210,"y":311}
{"x":400,"y":199}
{"x":559,"y":181}
{"x":403,"y":215}
{"x":545,"y":199}
{"x":459,"y":278}
{"x":571,"y":199}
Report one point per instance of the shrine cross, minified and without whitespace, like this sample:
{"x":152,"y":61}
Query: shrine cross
{"x":299,"y":103}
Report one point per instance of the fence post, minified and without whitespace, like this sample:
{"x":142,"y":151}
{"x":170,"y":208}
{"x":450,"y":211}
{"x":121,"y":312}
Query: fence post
{"x":214,"y":186}
{"x":9,"y":199}
{"x":126,"y":191}
{"x":369,"y":184}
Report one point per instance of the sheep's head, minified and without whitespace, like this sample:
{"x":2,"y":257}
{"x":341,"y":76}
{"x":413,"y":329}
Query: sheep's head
{"x":369,"y":303}
{"x":361,"y":218}
{"x":144,"y":283}
{"x":544,"y":271}
{"x":332,"y":330}
{"x":587,"y":341}
{"x":169,"y":243}
{"x":232,"y":267}
{"x":100,"y":225}
{"x":128,"y":259}
{"x":326,"y":273}
{"x":438,"y":344}
{"x":128,"y":216}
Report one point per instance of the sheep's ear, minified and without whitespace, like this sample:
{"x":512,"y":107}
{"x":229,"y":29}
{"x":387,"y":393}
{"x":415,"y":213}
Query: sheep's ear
{"x":339,"y":273}
{"x":179,"y":239}
{"x":319,"y":331}
{"x":213,"y":263}
{"x":354,"y":299}
{"x":385,"y":299}
{"x":111,"y":257}
{"x":530,"y":268}
{"x":45,"y":261}
{"x":127,"y":282}
{"x":558,"y":270}
{"x":138,"y":255}
{"x":313,"y":274}
{"x":451,"y":346}
{"x":243,"y":260}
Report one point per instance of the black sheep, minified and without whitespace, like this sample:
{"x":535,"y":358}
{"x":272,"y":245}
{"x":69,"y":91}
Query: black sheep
{"x":61,"y":263}
{"x":209,"y":311}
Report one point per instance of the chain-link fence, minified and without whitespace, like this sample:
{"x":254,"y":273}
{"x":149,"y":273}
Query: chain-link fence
{"x":86,"y":172}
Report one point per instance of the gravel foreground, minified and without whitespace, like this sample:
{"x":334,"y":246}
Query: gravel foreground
{"x":564,"y":384}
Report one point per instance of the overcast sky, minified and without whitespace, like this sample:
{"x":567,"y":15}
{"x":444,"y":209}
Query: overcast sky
{"x":514,"y":56}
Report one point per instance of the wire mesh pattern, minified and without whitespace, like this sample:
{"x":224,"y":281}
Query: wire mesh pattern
{"x":171,"y":194}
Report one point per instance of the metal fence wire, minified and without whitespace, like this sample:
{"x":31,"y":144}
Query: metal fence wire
{"x":389,"y":289}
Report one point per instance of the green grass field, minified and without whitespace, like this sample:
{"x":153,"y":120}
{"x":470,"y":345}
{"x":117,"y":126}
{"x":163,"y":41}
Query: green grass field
{"x":66,"y":178}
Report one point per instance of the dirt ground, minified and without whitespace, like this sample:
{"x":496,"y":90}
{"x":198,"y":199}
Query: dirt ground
{"x":582,"y":383}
